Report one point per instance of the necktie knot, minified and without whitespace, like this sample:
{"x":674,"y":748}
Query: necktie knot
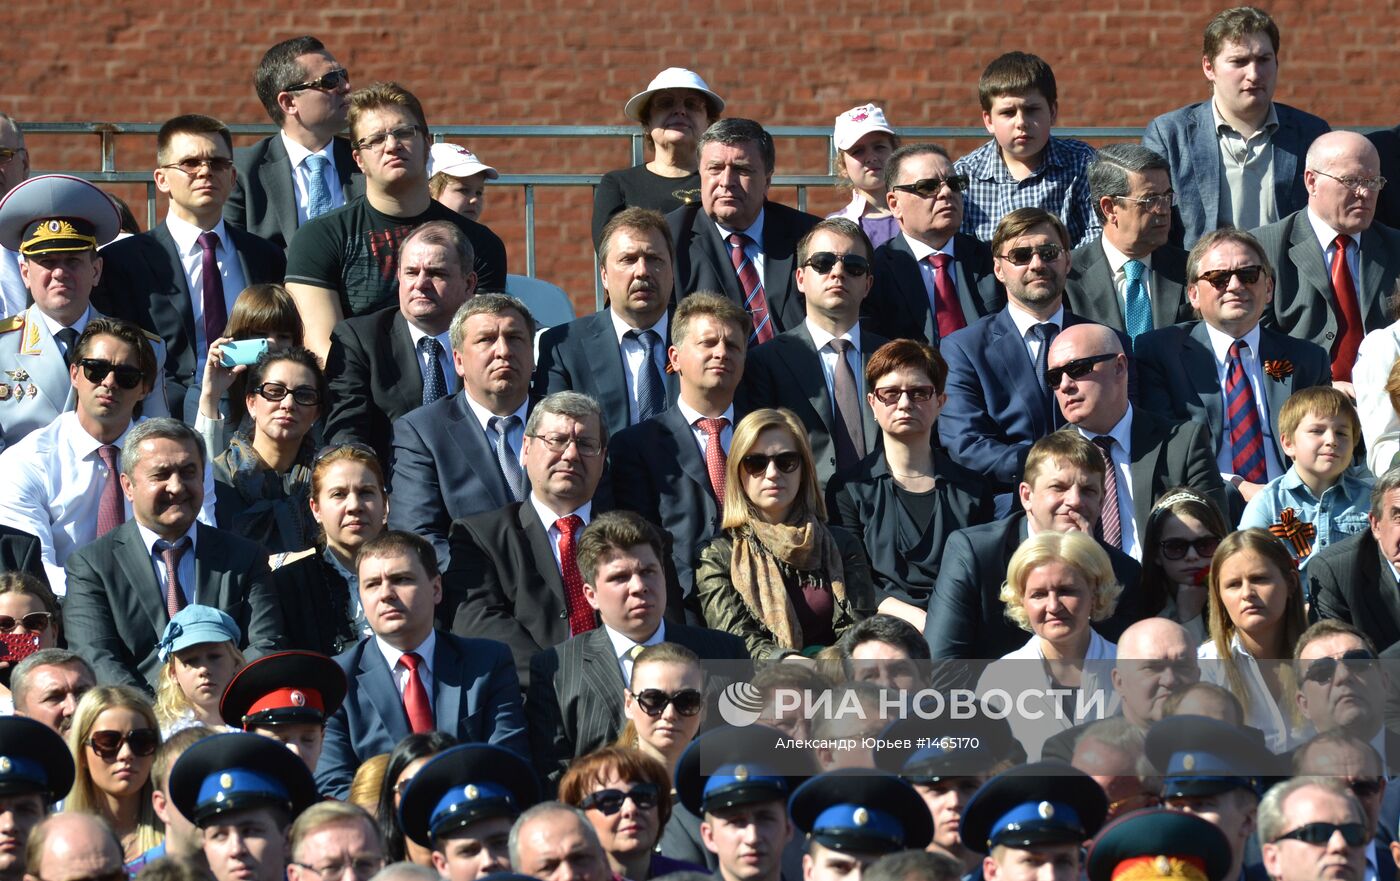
{"x":502,"y":425}
{"x":429,"y":346}
{"x":172,"y":550}
{"x":1045,"y":331}
{"x":839,"y":345}
{"x":712,"y":426}
{"x":1133,"y":270}
{"x":1105,"y":444}
{"x":569,"y":525}
{"x":634,"y":651}
{"x":411,"y":660}
{"x":737,"y":240}
{"x":1342,"y":241}
{"x":316,"y":163}
{"x":1238,"y":348}
{"x":209,"y":241}
{"x":939,"y":259}
{"x":108,"y":453}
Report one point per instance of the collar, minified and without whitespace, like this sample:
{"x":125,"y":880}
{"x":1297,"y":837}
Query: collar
{"x":416,"y":333}
{"x":1117,"y":258}
{"x":149,"y":539}
{"x":1292,"y":481}
{"x":54,"y":327}
{"x":754,"y":232}
{"x":1220,"y":342}
{"x":297,"y":153}
{"x":82,"y":443}
{"x":922,"y":250}
{"x":622,"y":328}
{"x":691,"y":414}
{"x":186,"y":235}
{"x":1222,"y":127}
{"x":1024,"y":320}
{"x":820,"y":337}
{"x":1326,"y":235}
{"x":351,"y":578}
{"x":548,"y":517}
{"x":855,"y":209}
{"x":1121,"y":433}
{"x":424,"y":649}
{"x":484,"y":416}
{"x":994,"y":166}
{"x":621,"y":645}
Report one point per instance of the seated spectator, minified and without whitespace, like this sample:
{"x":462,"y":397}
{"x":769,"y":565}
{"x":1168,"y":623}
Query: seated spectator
{"x":1111,"y":751}
{"x":1023,"y":165}
{"x":1353,"y":762}
{"x":183,"y":840}
{"x":69,"y":844}
{"x":674,"y":110}
{"x":47,"y":685}
{"x":887,"y":651}
{"x":1209,"y":700}
{"x":1180,"y":538}
{"x":126,"y":586}
{"x":864,"y":141}
{"x":1352,"y":580}
{"x":553,"y":842}
{"x":330,"y":837}
{"x":915,"y":865}
{"x":367,"y":786}
{"x":408,"y":757}
{"x":992,"y":826}
{"x":287,"y":696}
{"x":1376,"y":382}
{"x":457,"y":179}
{"x":907,"y":497}
{"x":40,"y":773}
{"x":113,"y":738}
{"x":28,"y":611}
{"x":435,"y":680}
{"x":262,"y":482}
{"x":1291,"y":805}
{"x":1341,"y":685}
{"x":199,"y":655}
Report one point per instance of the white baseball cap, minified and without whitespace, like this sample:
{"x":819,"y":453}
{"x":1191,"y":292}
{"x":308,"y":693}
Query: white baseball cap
{"x":671,"y":78}
{"x":457,"y":161}
{"x":858,"y":122}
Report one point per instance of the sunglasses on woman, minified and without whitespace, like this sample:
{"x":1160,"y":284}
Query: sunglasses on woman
{"x":609,"y":801}
{"x":107,"y":744}
{"x":304,"y":395}
{"x":1175,"y":548}
{"x":34,"y":622}
{"x":756,"y":464}
{"x":654,"y":701}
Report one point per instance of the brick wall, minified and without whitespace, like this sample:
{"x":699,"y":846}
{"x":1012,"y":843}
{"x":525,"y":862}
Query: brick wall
{"x":789,"y":62}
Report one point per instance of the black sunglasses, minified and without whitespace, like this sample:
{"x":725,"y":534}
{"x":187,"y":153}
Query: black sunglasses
{"x":276,"y":391}
{"x":825,"y":261}
{"x":1176,"y":548}
{"x":654,"y":701}
{"x":1022,"y":256}
{"x":609,"y":801}
{"x":1220,"y":278}
{"x":890,"y":395}
{"x":1076,"y":369}
{"x":1365,"y":787}
{"x":756,"y":464}
{"x":932,"y":186}
{"x":1321,"y":833}
{"x":96,"y":370}
{"x":1322,"y":670}
{"x":34,"y":622}
{"x":325,"y":82}
{"x":143,"y":742}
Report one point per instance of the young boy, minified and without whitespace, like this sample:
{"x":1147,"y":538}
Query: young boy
{"x":457,"y":179}
{"x":1024,"y":166}
{"x":1318,"y":501}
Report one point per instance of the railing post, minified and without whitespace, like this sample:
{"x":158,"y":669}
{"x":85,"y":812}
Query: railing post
{"x":530,"y":230}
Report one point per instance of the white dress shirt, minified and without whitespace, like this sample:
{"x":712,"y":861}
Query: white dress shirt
{"x":186,"y":236}
{"x":1263,"y":713}
{"x":1024,"y":321}
{"x":515,"y":437}
{"x":550,"y":519}
{"x":634,"y":355}
{"x":1220,"y":344}
{"x":444,"y":358}
{"x":185,"y":565}
{"x":1122,"y":458}
{"x":827,"y":355}
{"x":301,"y":175}
{"x":622,"y":648}
{"x":753,"y":248}
{"x":1116,"y":261}
{"x":926,"y":271}
{"x":400,"y":671}
{"x":691,"y":415}
{"x":1327,"y":239}
{"x":1379,"y":424}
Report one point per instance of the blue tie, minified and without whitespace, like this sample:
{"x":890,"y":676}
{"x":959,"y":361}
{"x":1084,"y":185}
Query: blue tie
{"x":434,"y":381}
{"x":318,"y":194}
{"x":1139,"y":310}
{"x":651,"y":389}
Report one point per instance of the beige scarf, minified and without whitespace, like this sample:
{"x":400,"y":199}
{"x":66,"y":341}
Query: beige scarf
{"x":762,"y":550}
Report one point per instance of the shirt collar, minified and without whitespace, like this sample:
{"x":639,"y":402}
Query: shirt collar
{"x":922,"y":250}
{"x":484,"y":416}
{"x":1121,"y":433}
{"x":1220,"y":342}
{"x":622,"y":328}
{"x":1117,"y":258}
{"x":548,"y":517}
{"x":416,"y":333}
{"x":351,"y":578}
{"x":1326,"y":235}
{"x":82,"y":443}
{"x":297,"y":153}
{"x":754,"y":232}
{"x":186,"y":235}
{"x":1351,"y":487}
{"x":424,"y":649}
{"x":820,"y":337}
{"x":149,"y":539}
{"x":691,"y":414}
{"x":621,"y":645}
{"x":1024,"y":320}
{"x":54,"y":327}
{"x":1221,"y":126}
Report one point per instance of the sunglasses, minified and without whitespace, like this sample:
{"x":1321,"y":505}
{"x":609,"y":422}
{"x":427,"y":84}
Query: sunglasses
{"x":1321,"y":833}
{"x":890,"y":395}
{"x":1076,"y":369}
{"x":96,"y":370}
{"x":609,"y":801}
{"x":1220,"y":278}
{"x":191,"y":167}
{"x":1365,"y":787}
{"x":1321,"y":671}
{"x":143,"y":742}
{"x":654,"y":701}
{"x":1022,"y":256}
{"x":1176,"y":548}
{"x":276,"y":391}
{"x":825,"y":261}
{"x":34,"y":622}
{"x":756,"y":464}
{"x":932,"y":186}
{"x":326,"y":82}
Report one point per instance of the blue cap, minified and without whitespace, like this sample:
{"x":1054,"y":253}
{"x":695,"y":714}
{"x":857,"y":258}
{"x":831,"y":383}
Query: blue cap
{"x":33,"y":758}
{"x":1034,"y":804}
{"x":863,"y":811}
{"x":1198,"y":756}
{"x":233,"y":772}
{"x":196,"y":625}
{"x":462,"y":785}
{"x":744,"y":767}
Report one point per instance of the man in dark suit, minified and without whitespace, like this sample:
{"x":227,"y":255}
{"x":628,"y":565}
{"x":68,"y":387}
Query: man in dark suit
{"x":1354,"y":580}
{"x":1130,"y":279}
{"x":409,"y":677}
{"x":1319,"y":298}
{"x":817,"y":368}
{"x":1387,"y":143}
{"x":930,"y":280}
{"x":125,"y":586}
{"x":304,"y":170}
{"x":1187,"y":371}
{"x":1342,"y":689}
{"x":664,"y":468}
{"x":461,"y":455}
{"x":618,"y":356}
{"x":1236,"y":158}
{"x":387,"y":363}
{"x":736,"y":241}
{"x":576,"y":693}
{"x":1148,"y":453}
{"x":180,"y":279}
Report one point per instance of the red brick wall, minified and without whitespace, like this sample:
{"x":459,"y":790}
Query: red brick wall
{"x":787,"y":62}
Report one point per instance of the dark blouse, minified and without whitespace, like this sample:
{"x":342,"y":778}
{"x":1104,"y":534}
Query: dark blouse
{"x":257,"y":503}
{"x":639,"y":187}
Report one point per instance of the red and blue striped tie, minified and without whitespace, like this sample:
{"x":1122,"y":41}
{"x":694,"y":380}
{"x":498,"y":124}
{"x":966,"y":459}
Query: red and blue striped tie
{"x":755,"y":301}
{"x":1242,"y":418}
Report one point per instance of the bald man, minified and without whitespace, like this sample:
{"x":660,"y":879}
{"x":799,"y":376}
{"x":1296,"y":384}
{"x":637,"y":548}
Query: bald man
{"x":72,"y":845}
{"x":1089,"y":374}
{"x":1316,"y":297}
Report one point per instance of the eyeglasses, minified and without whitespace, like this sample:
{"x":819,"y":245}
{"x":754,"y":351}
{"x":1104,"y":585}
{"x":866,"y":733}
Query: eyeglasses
{"x":401,"y":134}
{"x":1176,"y":548}
{"x":825,"y":261}
{"x":654,"y":701}
{"x":890,"y":395}
{"x":1321,"y":671}
{"x":361,"y":867}
{"x":558,"y":443}
{"x":143,"y":742}
{"x":609,"y":801}
{"x":326,"y":82}
{"x":1152,"y":203}
{"x":756,"y":464}
{"x":1321,"y":833}
{"x":304,"y":395}
{"x":191,"y":166}
{"x":1365,"y":787}
{"x":1374,"y":184}
{"x":1022,"y":256}
{"x":96,"y":370}
{"x":8,"y":153}
{"x":932,"y":186}
{"x":1220,"y":278}
{"x":1076,"y":369}
{"x":33,"y":622}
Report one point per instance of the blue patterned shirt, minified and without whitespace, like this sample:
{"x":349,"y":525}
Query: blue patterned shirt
{"x":1341,"y":512}
{"x":1060,"y":185}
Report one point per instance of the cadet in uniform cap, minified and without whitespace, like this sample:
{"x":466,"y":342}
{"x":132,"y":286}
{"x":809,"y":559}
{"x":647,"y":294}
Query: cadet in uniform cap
{"x":854,"y":816}
{"x":286,"y":696}
{"x":36,"y":770}
{"x":462,"y":803}
{"x":1033,"y":815}
{"x":1159,"y":845}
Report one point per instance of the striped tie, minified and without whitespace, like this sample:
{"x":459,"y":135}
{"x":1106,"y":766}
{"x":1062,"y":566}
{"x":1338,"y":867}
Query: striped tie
{"x":755,"y":301}
{"x":1242,"y":418}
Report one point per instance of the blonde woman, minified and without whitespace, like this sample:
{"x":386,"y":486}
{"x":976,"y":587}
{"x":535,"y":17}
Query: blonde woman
{"x":199,"y":650}
{"x":113,"y":741}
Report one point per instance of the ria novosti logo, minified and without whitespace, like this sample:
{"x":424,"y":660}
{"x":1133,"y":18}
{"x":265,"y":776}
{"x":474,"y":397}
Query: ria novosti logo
{"x":740,"y":704}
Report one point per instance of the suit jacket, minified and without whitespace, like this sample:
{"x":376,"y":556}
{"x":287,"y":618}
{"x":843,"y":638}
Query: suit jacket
{"x":1186,"y":138}
{"x":1304,"y":306}
{"x":703,"y":263}
{"x":787,"y":372}
{"x":264,"y":201}
{"x":1090,"y":291}
{"x":1387,"y":143}
{"x":503,"y":583}
{"x":21,"y":552}
{"x":372,"y":371}
{"x":476,"y":699}
{"x":898,"y":305}
{"x":144,"y":281}
{"x":114,"y":613}
{"x":1352,"y":582}
{"x":575,"y":701}
{"x":1166,"y":454}
{"x":584,"y":356}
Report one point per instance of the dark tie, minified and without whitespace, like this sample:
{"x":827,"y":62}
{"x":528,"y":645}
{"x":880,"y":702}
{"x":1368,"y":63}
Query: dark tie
{"x":1242,"y":418}
{"x":651,"y":388}
{"x":1137,"y":313}
{"x":318,"y":193}
{"x":505,"y":456}
{"x":171,"y":554}
{"x":1046,"y":333}
{"x":111,"y":512}
{"x":215,"y":311}
{"x":581,"y":618}
{"x":68,"y":339}
{"x":849,"y":436}
{"x":1110,"y":521}
{"x":434,"y":382}
{"x":715,"y":459}
{"x":415,"y":696}
{"x":1349,"y":327}
{"x":947,"y":311}
{"x":755,"y":301}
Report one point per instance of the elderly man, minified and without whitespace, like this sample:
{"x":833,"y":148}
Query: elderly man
{"x":330,"y":837}
{"x":1354,"y":763}
{"x":1336,"y":267}
{"x":1354,"y":580}
{"x":1342,"y":686}
{"x":14,"y":168}
{"x":555,"y":842}
{"x":73,"y":845}
{"x":48,"y":684}
{"x":1313,"y":828}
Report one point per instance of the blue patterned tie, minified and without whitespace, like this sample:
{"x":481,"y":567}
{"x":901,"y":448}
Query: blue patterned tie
{"x":651,"y":389}
{"x":501,"y":426}
{"x":1046,"y":334}
{"x":318,"y":194}
{"x":434,"y":382}
{"x":1139,"y":309}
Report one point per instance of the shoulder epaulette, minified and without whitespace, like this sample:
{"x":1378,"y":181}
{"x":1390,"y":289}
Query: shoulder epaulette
{"x":14,"y":322}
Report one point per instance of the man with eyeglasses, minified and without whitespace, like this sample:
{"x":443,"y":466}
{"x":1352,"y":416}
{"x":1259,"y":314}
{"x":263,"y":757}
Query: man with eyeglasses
{"x":14,"y":168}
{"x":1227,"y":371}
{"x":1336,"y":266}
{"x":930,"y":280}
{"x":179,"y":280}
{"x":816,"y":369}
{"x":1354,"y":763}
{"x":1352,"y":580}
{"x":304,"y":170}
{"x":331,"y":840}
{"x":1313,"y":829}
{"x":575,"y":704}
{"x":71,"y":845}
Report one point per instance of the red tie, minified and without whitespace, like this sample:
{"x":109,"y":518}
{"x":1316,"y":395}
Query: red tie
{"x":581,"y":618}
{"x":755,"y":301}
{"x":715,"y":459}
{"x":111,"y":513}
{"x":1350,"y":331}
{"x":415,"y":696}
{"x":947,"y":311}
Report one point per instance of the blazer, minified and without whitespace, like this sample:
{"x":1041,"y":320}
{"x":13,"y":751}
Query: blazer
{"x":143,"y":280}
{"x":372,"y":371}
{"x":1166,"y":453}
{"x":575,"y":704}
{"x":504,"y":584}
{"x":1304,"y":306}
{"x":898,"y":305}
{"x":1387,"y":142}
{"x":1090,"y":291}
{"x":21,"y":552}
{"x":264,"y":201}
{"x":787,"y":372}
{"x":475,"y":699}
{"x":703,"y":263}
{"x":1353,"y":582}
{"x":584,"y":356}
{"x":1186,"y":138}
{"x":114,"y":613}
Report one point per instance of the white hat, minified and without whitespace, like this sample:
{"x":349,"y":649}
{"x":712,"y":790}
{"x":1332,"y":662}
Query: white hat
{"x":671,"y":78}
{"x":858,"y":122}
{"x":457,"y":161}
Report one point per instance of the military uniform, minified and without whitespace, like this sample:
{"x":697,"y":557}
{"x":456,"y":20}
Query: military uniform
{"x":463,"y":785}
{"x":284,"y":688}
{"x":861,"y":811}
{"x":1159,"y":845}
{"x":1041,"y":803}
